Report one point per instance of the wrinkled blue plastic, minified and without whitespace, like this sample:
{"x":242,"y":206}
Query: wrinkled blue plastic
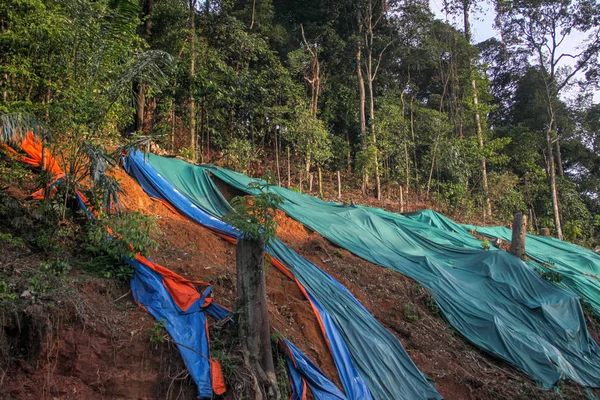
{"x":157,"y":186}
{"x":367,"y":350}
{"x":492,"y":298}
{"x":188,"y":330}
{"x":321,"y":387}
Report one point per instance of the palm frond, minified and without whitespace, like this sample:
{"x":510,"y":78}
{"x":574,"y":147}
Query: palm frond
{"x":151,"y":67}
{"x":141,"y":141}
{"x":111,"y":189}
{"x":99,"y":162}
{"x":15,"y":126}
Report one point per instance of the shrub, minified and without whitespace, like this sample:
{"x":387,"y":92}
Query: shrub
{"x":131,"y":233}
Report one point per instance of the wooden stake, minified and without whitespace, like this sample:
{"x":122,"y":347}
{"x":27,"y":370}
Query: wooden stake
{"x":339,"y":179}
{"x":401,"y":200}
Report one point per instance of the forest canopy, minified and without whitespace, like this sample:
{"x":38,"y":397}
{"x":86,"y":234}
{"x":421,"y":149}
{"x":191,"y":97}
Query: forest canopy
{"x":382,"y":91}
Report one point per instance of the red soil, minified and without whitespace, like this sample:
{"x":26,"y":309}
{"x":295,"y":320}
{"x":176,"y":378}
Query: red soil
{"x":196,"y":253}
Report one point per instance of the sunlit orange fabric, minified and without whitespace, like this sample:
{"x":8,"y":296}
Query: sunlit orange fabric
{"x":182,"y":290}
{"x":33,"y":147}
{"x":216,"y":373}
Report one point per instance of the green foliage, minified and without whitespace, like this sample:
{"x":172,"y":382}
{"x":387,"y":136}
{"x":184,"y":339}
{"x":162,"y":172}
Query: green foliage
{"x":506,"y":197}
{"x":48,"y":277}
{"x":365,"y":160}
{"x":12,"y":173}
{"x":157,"y":332}
{"x":131,"y":234}
{"x":255,"y":216}
{"x":5,"y":292}
{"x":550,"y":276}
{"x":485,"y":245}
{"x":409,"y":314}
{"x":432,"y":305}
{"x":11,"y":240}
{"x":239,"y":154}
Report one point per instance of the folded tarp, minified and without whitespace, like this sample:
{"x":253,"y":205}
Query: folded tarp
{"x":175,"y":301}
{"x":579,"y":267}
{"x":490,"y":297}
{"x":361,"y":347}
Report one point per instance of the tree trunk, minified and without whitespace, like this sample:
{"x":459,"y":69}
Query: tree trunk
{"x":192,"y":105}
{"x":172,"y":126}
{"x":373,"y":135}
{"x":339,"y":185}
{"x":519,"y":233}
{"x":141,"y":104}
{"x":361,"y":103}
{"x":484,"y":179}
{"x":400,"y":200}
{"x":561,"y":172}
{"x":289,"y":168}
{"x":552,"y":179}
{"x":320,"y":182}
{"x":412,"y":133}
{"x":253,"y":317}
{"x":310,"y":182}
{"x":277,"y":160}
{"x":544,"y":232}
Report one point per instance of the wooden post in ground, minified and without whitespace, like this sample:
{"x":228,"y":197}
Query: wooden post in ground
{"x":310,"y":181}
{"x":289,"y":168}
{"x":339,"y":179}
{"x":253,"y":315}
{"x":400,"y":199}
{"x":519,"y":232}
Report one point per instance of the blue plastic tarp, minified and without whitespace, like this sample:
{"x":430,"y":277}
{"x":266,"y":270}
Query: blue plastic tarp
{"x":367,"y":350}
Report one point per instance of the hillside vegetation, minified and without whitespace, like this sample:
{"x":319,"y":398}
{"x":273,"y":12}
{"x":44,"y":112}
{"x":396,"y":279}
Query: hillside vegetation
{"x":404,"y":105}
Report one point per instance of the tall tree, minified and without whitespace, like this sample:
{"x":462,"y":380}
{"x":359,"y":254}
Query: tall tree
{"x":465,"y":7}
{"x":545,"y":27}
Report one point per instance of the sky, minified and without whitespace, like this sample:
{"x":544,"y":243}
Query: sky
{"x":482,"y":28}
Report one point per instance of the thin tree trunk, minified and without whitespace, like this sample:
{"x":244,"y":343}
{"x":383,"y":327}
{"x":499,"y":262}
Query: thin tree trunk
{"x":412,"y":133}
{"x":172,"y":126}
{"x":253,"y":318}
{"x":277,"y":160}
{"x":320,"y":182}
{"x":310,"y":182}
{"x":192,"y":105}
{"x":362,"y":99}
{"x":339,"y":185}
{"x":349,"y":154}
{"x":289,"y":168}
{"x":373,"y":134}
{"x":552,"y":180}
{"x":484,"y":178}
{"x":400,"y":200}
{"x":253,"y":9}
{"x":561,"y":172}
{"x":141,"y":104}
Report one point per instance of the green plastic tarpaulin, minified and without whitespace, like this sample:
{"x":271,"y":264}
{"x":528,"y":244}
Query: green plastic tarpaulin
{"x":377,"y":354}
{"x":579,"y":267}
{"x":490,"y":297}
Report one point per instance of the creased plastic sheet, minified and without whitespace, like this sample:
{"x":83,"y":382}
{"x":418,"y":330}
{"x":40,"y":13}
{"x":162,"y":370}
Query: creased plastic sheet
{"x":366,"y":345}
{"x":491,"y":297}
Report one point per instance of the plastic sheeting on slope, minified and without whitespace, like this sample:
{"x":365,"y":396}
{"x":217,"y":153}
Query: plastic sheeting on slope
{"x":156,"y":185}
{"x":175,"y":300}
{"x":188,"y":329}
{"x":491,"y":297}
{"x":156,"y":288}
{"x":579,"y":267}
{"x":349,"y":327}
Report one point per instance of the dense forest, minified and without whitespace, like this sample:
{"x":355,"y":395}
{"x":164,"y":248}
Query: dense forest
{"x":384,"y":92}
